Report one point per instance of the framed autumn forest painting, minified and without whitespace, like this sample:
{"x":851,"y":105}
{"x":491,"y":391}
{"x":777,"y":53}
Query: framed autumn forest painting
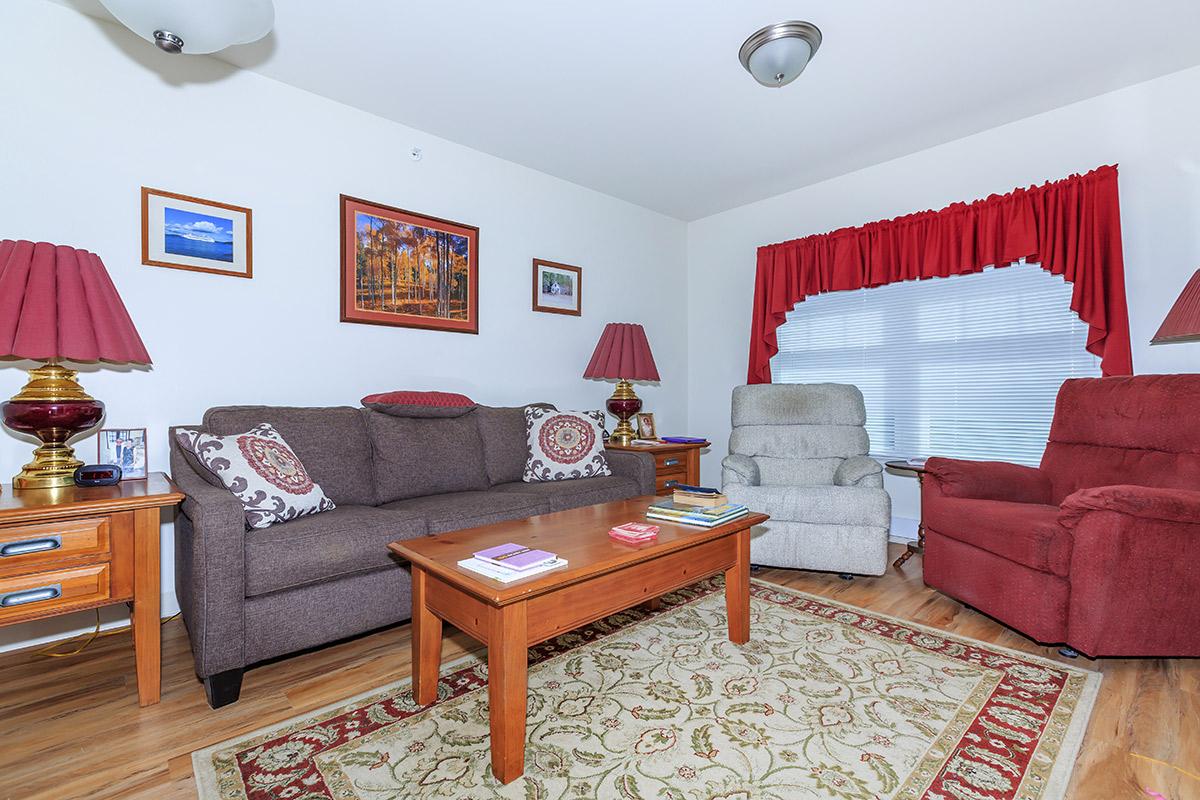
{"x":407,"y":269}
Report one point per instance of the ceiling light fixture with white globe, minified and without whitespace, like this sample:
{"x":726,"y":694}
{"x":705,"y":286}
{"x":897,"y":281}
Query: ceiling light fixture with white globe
{"x":186,"y":26}
{"x":777,"y":54}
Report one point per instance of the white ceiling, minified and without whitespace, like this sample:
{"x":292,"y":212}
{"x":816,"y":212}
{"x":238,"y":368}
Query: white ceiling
{"x":646,"y":100}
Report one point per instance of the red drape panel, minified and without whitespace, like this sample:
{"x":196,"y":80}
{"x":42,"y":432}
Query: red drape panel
{"x":1072,"y":227}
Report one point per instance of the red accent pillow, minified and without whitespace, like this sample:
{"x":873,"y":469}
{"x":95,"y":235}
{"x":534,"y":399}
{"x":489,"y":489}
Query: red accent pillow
{"x":419,"y":404}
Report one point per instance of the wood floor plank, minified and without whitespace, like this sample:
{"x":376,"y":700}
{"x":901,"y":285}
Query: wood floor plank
{"x":72,"y":728}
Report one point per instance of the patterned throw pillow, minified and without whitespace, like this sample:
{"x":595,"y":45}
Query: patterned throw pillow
{"x":564,"y":445}
{"x":261,"y":470}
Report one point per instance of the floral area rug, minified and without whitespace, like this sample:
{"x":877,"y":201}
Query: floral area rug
{"x":825,"y":701}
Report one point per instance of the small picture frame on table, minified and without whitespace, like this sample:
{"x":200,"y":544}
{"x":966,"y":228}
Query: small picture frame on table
{"x":125,"y":447}
{"x":645,"y":426}
{"x":557,"y":288}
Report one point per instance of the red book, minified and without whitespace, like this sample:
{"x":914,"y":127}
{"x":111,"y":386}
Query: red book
{"x":634,"y":532}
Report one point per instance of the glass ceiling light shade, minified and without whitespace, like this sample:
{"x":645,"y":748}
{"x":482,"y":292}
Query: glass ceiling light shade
{"x":195,"y":28}
{"x":777,"y":54}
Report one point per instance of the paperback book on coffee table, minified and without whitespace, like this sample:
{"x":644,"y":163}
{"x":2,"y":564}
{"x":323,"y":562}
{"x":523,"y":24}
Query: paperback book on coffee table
{"x":634,"y":532}
{"x":506,"y":575}
{"x":516,"y":557}
{"x":673,"y":511}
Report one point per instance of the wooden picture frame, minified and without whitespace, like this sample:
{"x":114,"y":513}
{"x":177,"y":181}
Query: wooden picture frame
{"x":190,"y":233}
{"x":407,"y":269}
{"x":645,"y":425}
{"x":127,"y":448}
{"x":550,"y":298}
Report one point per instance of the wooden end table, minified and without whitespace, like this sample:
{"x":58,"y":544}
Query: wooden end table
{"x":602,"y":577}
{"x":903,"y":465}
{"x":673,"y":462}
{"x":77,"y":548}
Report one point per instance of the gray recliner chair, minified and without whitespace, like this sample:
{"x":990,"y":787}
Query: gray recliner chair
{"x":799,"y":453}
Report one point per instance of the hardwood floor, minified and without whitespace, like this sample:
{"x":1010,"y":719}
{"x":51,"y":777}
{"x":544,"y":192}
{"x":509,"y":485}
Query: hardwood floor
{"x":72,"y":727}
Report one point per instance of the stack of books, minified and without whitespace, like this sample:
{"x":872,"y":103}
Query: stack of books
{"x":634,"y":533}
{"x":509,"y":562}
{"x":707,"y":517}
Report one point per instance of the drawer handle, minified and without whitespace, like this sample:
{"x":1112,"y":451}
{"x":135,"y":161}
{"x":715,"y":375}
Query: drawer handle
{"x":27,"y":596}
{"x":670,"y":462}
{"x":669,"y":484}
{"x":27,"y":546}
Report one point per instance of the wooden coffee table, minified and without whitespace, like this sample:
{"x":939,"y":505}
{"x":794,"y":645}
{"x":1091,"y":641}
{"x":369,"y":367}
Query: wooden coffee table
{"x":602,"y":577}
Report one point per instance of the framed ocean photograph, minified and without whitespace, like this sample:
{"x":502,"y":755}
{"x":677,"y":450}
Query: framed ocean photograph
{"x":557,"y":288}
{"x":408,"y":269}
{"x":183,"y":232}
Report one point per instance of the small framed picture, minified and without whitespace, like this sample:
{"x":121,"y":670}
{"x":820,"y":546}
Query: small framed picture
{"x":125,"y":447}
{"x":645,"y":426}
{"x":183,"y":232}
{"x":557,"y":288}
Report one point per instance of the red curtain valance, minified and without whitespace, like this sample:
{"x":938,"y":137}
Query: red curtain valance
{"x":1071,"y":227}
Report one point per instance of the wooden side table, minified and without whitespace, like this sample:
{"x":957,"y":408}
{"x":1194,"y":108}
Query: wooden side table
{"x":75,"y":548}
{"x":673,"y":463}
{"x":902,"y":465}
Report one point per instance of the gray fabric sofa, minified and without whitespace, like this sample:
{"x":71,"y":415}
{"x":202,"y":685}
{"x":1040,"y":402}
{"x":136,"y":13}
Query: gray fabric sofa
{"x":798,"y":452}
{"x":252,"y":595}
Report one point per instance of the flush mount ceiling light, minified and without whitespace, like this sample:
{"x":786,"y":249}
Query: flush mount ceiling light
{"x":185,"y":26}
{"x":777,"y":54}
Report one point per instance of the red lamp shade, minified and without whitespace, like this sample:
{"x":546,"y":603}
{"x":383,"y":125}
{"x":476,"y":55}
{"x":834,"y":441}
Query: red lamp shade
{"x":58,"y":303}
{"x":623,"y":353}
{"x":1183,"y":320}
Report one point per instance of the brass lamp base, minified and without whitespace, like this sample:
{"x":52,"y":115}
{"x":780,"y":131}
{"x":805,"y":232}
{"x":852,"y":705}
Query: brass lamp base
{"x":623,"y":404}
{"x":54,"y":408}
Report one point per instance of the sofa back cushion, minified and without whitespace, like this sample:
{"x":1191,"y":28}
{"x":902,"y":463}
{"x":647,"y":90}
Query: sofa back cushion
{"x":418,"y":456}
{"x":798,"y":434}
{"x":332,"y":444}
{"x":505,"y":446}
{"x":1140,"y":430}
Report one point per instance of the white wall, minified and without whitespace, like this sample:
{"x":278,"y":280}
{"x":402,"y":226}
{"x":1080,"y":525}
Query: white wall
{"x":1152,"y":130}
{"x":93,"y":113}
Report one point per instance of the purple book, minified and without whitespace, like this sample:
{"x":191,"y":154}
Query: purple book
{"x":515,"y":556}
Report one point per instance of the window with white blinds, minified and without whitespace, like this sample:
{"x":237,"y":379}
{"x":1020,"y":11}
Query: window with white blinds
{"x":966,"y":366}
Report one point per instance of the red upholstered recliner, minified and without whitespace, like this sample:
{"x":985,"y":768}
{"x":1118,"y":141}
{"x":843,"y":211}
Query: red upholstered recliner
{"x":1099,"y":547}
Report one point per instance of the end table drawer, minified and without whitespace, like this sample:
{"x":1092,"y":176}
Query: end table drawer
{"x":665,"y":462}
{"x":52,"y":591}
{"x":27,"y":546}
{"x":665,"y":481}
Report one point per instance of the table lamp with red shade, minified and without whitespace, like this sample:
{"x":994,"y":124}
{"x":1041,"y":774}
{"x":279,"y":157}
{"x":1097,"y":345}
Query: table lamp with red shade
{"x":623,"y":354}
{"x":57,"y":304}
{"x":1182,"y":323}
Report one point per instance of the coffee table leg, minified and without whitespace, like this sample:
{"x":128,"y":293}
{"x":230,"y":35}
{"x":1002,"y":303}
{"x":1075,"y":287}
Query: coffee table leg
{"x":737,"y":590}
{"x":426,"y":642}
{"x":507,"y":666}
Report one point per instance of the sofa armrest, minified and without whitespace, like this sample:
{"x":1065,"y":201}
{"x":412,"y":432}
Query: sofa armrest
{"x":989,"y":480}
{"x":1133,"y":573}
{"x":859,"y":471}
{"x":632,"y":464}
{"x":739,"y":470}
{"x":1143,"y":502}
{"x":210,"y":568}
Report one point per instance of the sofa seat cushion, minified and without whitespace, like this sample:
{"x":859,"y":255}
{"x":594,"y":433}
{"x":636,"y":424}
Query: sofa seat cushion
{"x":458,"y":510}
{"x":325,"y":546}
{"x":562,"y":495}
{"x":1027,"y":533}
{"x":820,"y":505}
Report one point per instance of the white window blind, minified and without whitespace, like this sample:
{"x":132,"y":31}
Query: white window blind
{"x":966,"y":366}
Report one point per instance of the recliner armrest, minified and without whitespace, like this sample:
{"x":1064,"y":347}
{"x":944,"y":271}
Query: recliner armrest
{"x":857,"y":471}
{"x":737,"y":469}
{"x":989,"y":480}
{"x":1144,"y":502}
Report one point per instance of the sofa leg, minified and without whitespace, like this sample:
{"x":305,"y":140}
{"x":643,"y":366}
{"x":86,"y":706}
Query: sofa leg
{"x":223,"y":688}
{"x":846,"y":576}
{"x":1068,"y":652}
